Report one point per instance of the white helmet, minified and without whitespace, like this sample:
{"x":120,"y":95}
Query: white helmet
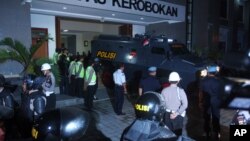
{"x":45,"y":66}
{"x":174,"y":76}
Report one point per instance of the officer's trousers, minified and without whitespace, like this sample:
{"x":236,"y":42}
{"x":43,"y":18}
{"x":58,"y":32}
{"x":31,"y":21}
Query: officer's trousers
{"x":51,"y":102}
{"x":90,"y":96}
{"x":119,"y":99}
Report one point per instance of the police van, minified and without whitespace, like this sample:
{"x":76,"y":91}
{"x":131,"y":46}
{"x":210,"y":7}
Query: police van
{"x":141,"y":52}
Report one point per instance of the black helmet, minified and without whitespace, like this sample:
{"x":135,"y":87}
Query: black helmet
{"x":67,"y":123}
{"x":32,"y":81}
{"x":150,"y":106}
{"x":28,"y":79}
{"x":2,"y":80}
{"x":37,"y":83}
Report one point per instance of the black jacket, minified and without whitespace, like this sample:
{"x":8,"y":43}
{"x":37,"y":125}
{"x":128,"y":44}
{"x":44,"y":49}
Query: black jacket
{"x":6,"y":99}
{"x":33,"y":105}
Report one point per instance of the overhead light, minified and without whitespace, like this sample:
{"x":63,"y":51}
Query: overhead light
{"x":142,"y":18}
{"x":64,"y":8}
{"x":65,"y":30}
{"x":113,"y":14}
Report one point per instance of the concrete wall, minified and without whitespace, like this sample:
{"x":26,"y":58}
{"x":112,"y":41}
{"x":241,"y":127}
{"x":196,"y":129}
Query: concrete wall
{"x":14,"y":23}
{"x":45,"y":21}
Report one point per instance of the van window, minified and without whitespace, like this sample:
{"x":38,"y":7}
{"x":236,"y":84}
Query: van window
{"x":178,"y":49}
{"x":157,"y":50}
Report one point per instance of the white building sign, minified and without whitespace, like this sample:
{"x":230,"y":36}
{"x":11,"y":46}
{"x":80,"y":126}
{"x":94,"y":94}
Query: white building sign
{"x":150,"y":8}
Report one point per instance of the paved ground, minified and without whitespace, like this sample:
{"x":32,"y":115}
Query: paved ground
{"x":106,"y":125}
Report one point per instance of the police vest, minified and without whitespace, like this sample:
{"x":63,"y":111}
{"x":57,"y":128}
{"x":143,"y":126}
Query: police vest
{"x":72,"y":67}
{"x":79,"y":70}
{"x":90,"y":70}
{"x":55,"y":58}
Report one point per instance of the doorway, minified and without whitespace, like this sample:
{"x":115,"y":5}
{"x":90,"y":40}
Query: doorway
{"x":37,"y":35}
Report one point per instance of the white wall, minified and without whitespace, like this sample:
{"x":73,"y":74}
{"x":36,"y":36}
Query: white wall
{"x":138,"y":29}
{"x":45,"y":21}
{"x":112,"y":29}
{"x":81,"y":26}
{"x":79,"y":43}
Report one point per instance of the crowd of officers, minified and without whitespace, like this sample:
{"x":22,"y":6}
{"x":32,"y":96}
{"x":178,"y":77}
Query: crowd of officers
{"x":176,"y":102}
{"x":75,"y":72}
{"x":79,"y":73}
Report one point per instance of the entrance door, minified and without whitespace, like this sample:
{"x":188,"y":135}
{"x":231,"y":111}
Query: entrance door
{"x":37,"y":35}
{"x":72,"y":44}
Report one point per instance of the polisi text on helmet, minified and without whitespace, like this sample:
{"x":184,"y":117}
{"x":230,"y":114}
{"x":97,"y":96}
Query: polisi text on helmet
{"x":142,"y":107}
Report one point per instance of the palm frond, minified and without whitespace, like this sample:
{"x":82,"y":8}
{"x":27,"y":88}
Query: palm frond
{"x":18,"y":47}
{"x":6,"y":55}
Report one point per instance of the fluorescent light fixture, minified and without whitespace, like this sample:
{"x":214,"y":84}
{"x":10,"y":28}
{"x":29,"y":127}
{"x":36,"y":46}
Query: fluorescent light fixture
{"x":142,"y":18}
{"x":113,"y":14}
{"x":170,"y":40}
{"x":64,"y":8}
{"x":65,"y":30}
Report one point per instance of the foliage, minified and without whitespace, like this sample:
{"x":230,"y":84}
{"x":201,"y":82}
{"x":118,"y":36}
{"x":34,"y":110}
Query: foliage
{"x":15,"y":50}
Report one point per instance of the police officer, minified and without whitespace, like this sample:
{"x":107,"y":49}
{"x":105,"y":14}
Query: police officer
{"x":80,"y":71}
{"x":147,"y":125}
{"x":63,"y":64}
{"x":49,"y":86}
{"x":120,"y":89}
{"x":97,"y":68}
{"x":55,"y":55}
{"x":33,"y":103}
{"x":6,"y":97}
{"x":72,"y":76}
{"x":151,"y":83}
{"x":176,"y":104}
{"x":210,"y":100}
{"x":90,"y":83}
{"x":7,"y":105}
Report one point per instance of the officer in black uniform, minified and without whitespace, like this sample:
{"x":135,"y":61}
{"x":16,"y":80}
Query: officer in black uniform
{"x":149,"y":110}
{"x":210,"y":99}
{"x":7,"y":105}
{"x":97,"y":68}
{"x":151,"y":83}
{"x":6,"y":98}
{"x":33,"y":103}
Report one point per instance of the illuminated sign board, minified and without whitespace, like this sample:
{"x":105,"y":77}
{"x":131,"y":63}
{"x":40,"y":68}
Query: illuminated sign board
{"x":153,"y":8}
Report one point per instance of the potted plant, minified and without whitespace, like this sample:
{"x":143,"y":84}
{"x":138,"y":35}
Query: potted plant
{"x":25,"y":56}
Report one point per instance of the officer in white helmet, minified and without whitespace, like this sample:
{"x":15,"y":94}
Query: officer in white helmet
{"x":176,"y":104}
{"x":49,"y":86}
